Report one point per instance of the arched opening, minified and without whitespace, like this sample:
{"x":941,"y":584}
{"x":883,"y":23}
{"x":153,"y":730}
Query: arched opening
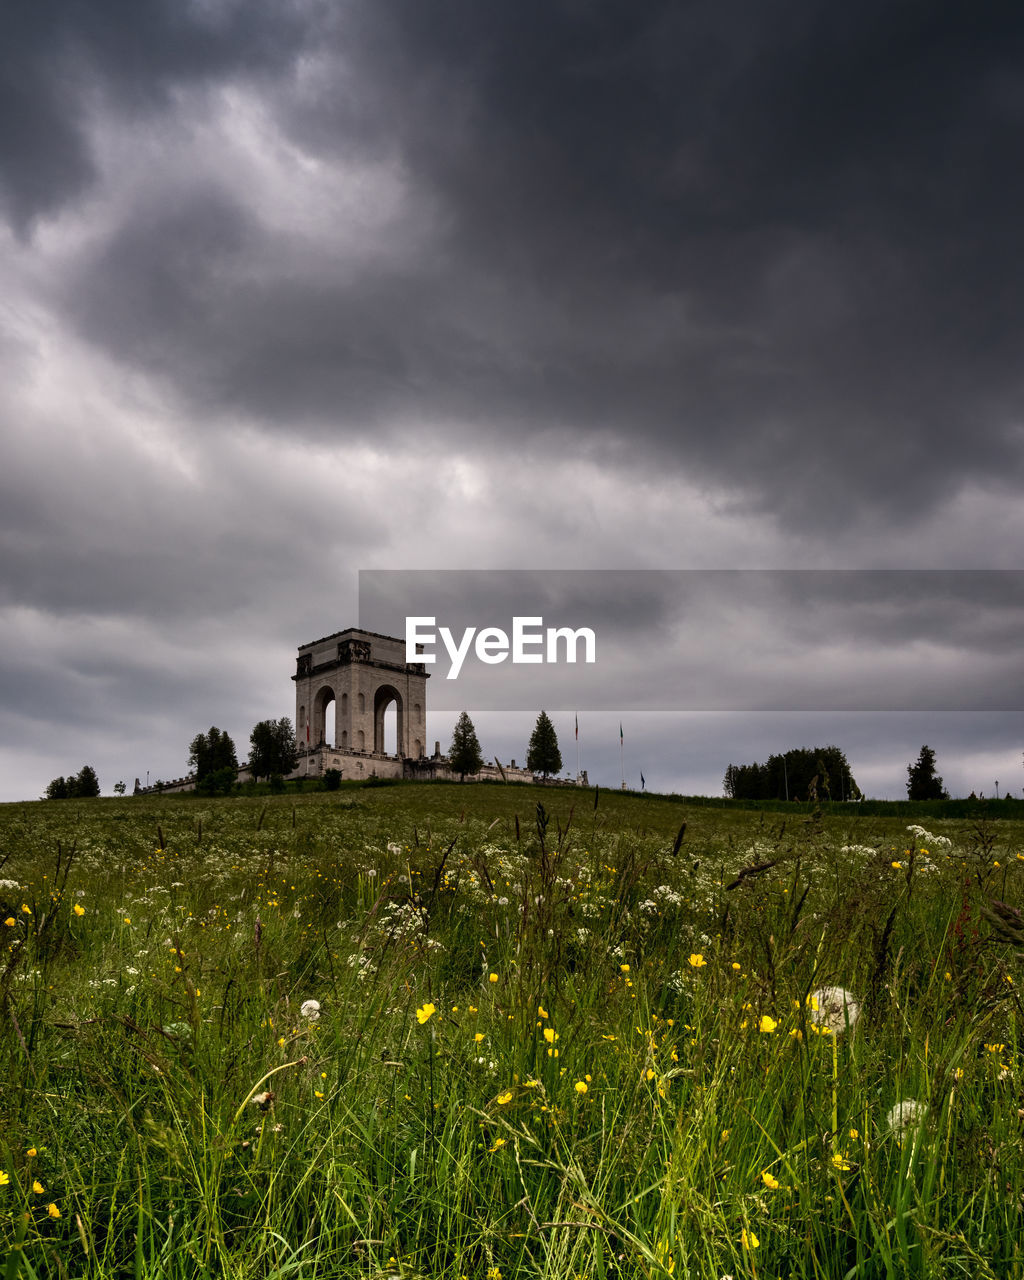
{"x":321,"y":728}
{"x":389,"y":730}
{"x":387,"y":721}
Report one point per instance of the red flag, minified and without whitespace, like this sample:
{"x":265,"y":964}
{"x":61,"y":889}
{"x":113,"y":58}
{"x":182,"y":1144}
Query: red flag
{"x":577,"y":728}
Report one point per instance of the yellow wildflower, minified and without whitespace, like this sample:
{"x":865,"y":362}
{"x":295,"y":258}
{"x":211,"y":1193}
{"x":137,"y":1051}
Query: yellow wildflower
{"x":479,"y":1036}
{"x":541,"y":1011}
{"x":425,"y":1013}
{"x":503,"y":1098}
{"x":38,"y":1187}
{"x":10,"y":922}
{"x":53,"y":1211}
{"x":697,"y":961}
{"x":550,"y":1035}
{"x":4,"y":1178}
{"x":26,"y":908}
{"x":581,"y":1086}
{"x":492,"y":977}
{"x":78,"y":909}
{"x":767,"y":1024}
{"x":748,"y":1240}
{"x":769,"y":1181}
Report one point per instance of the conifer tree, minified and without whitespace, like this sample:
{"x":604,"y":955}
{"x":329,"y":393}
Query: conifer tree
{"x":543,"y":755}
{"x":464,"y":754}
{"x":923,"y":783}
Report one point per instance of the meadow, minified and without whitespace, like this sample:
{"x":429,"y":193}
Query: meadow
{"x":492,"y":1032}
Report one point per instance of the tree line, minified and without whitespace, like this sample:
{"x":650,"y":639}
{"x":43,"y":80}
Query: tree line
{"x":805,"y":773}
{"x":77,"y":786}
{"x":816,"y":773}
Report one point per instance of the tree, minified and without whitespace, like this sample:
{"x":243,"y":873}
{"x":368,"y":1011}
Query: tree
{"x":464,"y":754}
{"x":120,"y":787}
{"x":211,"y":751}
{"x":543,"y":755}
{"x":272,"y":748}
{"x":923,"y":783}
{"x":58,"y":789}
{"x":85,"y":785}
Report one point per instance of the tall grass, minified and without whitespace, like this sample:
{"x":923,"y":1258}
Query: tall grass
{"x":550,"y":1042}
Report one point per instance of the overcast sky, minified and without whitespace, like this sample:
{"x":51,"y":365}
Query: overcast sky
{"x":291,"y":290}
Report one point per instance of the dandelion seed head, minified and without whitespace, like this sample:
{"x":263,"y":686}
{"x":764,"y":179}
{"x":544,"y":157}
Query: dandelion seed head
{"x":832,"y":1008}
{"x":906,"y":1114}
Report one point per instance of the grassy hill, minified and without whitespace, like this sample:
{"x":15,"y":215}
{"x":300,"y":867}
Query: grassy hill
{"x":555,"y":1033}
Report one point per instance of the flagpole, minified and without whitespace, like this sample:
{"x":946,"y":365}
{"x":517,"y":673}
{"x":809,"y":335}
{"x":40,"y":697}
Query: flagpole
{"x":622,"y":758}
{"x":577,"y":749}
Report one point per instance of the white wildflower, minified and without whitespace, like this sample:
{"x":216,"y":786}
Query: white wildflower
{"x":926,"y":837}
{"x":311,"y":1010}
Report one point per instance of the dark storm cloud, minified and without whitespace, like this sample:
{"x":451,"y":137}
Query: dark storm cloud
{"x":55,"y":57}
{"x":779,"y":249}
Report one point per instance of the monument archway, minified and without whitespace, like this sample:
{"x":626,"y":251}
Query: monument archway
{"x":364,"y":674}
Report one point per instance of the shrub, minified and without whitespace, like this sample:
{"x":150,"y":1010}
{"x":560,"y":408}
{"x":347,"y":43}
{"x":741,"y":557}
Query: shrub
{"x":220,"y":782}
